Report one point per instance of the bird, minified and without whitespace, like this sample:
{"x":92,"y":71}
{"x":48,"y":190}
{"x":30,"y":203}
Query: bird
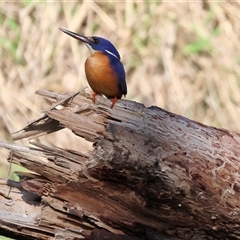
{"x":104,"y":70}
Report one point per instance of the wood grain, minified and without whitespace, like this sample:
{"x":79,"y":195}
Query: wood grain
{"x":152,"y":175}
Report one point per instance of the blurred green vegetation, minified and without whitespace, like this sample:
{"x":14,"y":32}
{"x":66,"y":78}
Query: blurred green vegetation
{"x":11,"y":44}
{"x":7,"y":172}
{"x":203,"y":42}
{"x":4,"y":238}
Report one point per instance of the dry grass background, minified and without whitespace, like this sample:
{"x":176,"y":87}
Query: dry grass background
{"x":183,"y":57}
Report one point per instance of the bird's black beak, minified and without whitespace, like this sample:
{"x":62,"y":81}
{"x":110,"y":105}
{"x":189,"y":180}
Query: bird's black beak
{"x":79,"y":37}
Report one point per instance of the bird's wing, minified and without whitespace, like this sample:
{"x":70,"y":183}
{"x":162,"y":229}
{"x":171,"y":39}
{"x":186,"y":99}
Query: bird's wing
{"x":120,"y":72}
{"x":121,"y":78}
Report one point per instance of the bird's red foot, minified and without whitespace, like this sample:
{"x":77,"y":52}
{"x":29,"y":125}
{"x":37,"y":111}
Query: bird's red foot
{"x":114,"y":101}
{"x":94,"y":96}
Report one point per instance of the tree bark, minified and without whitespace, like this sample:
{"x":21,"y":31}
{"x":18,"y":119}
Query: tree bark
{"x":152,"y":175}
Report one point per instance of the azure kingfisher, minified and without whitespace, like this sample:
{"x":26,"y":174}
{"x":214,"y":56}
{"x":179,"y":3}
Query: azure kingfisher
{"x":104,"y":70}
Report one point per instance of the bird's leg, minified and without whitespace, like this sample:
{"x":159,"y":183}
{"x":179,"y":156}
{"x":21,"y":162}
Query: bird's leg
{"x":114,"y":101}
{"x":94,"y":96}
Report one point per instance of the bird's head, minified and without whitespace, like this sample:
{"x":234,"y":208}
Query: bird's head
{"x":95,"y":44}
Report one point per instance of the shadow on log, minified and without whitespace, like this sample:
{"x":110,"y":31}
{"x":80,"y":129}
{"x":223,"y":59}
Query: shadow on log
{"x":152,"y":175}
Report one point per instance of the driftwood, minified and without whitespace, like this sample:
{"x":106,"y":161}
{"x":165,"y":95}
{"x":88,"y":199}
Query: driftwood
{"x":152,"y":175}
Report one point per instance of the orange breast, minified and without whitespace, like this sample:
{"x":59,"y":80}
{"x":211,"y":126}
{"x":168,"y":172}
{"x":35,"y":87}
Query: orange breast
{"x":101,"y":78}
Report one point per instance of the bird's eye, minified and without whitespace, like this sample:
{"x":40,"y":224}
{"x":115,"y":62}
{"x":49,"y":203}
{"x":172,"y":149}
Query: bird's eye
{"x":96,"y":40}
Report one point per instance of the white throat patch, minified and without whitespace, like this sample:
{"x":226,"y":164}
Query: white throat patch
{"x":92,"y":51}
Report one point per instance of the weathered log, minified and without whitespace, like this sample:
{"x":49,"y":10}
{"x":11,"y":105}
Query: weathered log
{"x":152,"y":175}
